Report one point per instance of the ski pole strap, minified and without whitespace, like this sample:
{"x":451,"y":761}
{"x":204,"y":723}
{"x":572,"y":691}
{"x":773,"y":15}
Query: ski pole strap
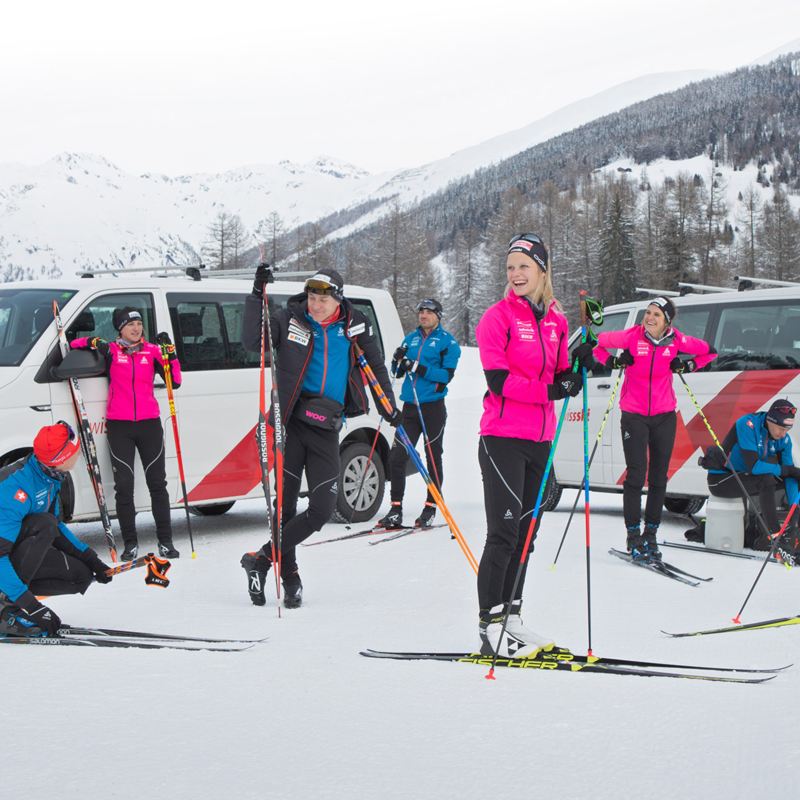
{"x":157,"y":571}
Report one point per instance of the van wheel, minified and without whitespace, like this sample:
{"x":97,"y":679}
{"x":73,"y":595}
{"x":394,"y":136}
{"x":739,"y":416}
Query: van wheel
{"x":213,"y":510}
{"x":684,"y":505}
{"x":552,"y":493}
{"x":354,"y":460}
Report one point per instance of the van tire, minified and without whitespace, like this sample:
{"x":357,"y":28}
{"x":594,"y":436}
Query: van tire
{"x":213,"y":510}
{"x":552,"y":493}
{"x":684,"y":505}
{"x":353,"y":459}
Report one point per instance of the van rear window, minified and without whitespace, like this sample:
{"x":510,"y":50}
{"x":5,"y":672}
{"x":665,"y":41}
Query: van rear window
{"x":24,"y":316}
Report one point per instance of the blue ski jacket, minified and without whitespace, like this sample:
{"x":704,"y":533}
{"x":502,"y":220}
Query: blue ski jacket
{"x":25,"y":488}
{"x":438,"y":353}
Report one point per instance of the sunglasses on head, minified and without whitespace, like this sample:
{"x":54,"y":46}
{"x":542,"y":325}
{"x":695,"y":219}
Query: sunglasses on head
{"x":427,"y":305}
{"x":786,"y":411}
{"x":318,"y":287}
{"x":69,"y":441}
{"x":526,"y":237}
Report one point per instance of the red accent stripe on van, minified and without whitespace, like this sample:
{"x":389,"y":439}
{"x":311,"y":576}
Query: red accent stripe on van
{"x":238,"y":473}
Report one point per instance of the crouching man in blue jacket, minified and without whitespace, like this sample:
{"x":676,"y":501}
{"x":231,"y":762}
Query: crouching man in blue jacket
{"x":38,"y":553}
{"x":427,"y":357}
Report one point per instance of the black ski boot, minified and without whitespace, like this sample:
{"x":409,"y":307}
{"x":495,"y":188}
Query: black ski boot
{"x":292,"y":590}
{"x":394,"y":519}
{"x":635,"y":543}
{"x":131,"y":552}
{"x":425,"y":519}
{"x":14,"y":622}
{"x":256,"y":565}
{"x":167,"y":550}
{"x":650,"y":542}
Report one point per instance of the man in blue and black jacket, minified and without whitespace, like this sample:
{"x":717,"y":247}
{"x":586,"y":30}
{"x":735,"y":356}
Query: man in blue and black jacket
{"x":427,"y":357}
{"x":759,"y":448}
{"x":38,"y":553}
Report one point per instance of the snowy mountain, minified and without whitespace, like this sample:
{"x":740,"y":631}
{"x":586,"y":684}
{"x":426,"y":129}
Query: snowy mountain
{"x":79,"y":210}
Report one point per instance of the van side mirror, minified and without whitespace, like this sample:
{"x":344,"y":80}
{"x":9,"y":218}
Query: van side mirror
{"x":79,"y":364}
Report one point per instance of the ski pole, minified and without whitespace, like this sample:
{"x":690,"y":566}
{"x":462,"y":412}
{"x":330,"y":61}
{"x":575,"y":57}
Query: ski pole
{"x":363,"y":476}
{"x":176,"y":436}
{"x":368,"y":373}
{"x":87,"y":441}
{"x":774,"y":538}
{"x":531,"y":526}
{"x":584,"y":338}
{"x":591,"y":459}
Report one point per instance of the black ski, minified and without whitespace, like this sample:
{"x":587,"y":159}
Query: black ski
{"x":86,"y":641}
{"x":653,"y":566}
{"x":672,"y":568}
{"x":717,"y":551}
{"x":406,"y":532}
{"x":540,"y":663}
{"x":780,"y":622}
{"x":71,"y":630}
{"x":375,"y":531}
{"x":563,"y":655}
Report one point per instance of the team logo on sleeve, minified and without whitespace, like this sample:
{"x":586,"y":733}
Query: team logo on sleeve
{"x":21,"y":496}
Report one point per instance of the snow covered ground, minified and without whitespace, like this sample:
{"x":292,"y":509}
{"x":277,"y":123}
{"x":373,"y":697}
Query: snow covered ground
{"x":304,"y":716}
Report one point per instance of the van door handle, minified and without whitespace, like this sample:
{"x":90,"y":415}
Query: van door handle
{"x":603,"y":385}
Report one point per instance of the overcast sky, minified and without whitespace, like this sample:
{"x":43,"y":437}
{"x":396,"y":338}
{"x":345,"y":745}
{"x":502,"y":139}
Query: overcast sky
{"x":178,"y":87}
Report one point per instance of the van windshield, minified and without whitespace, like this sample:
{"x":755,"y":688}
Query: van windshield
{"x":24,"y":315}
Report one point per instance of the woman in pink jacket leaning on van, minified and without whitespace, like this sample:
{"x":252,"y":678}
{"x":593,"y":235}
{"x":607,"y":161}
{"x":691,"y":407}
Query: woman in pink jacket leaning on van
{"x":523,"y":349}
{"x":133,"y":422}
{"x":647,"y":401}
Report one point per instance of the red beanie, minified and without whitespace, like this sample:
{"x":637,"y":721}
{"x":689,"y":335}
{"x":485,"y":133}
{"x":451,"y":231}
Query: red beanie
{"x":55,"y":444}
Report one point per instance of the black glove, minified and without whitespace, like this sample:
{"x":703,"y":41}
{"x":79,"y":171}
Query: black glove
{"x":263,"y":275}
{"x":395,"y":418}
{"x":681,"y":367}
{"x":565,"y":383}
{"x":97,"y":566}
{"x":41,"y":616}
{"x":400,"y":353}
{"x":624,"y":359}
{"x":583,"y":354}
{"x":789,"y":471}
{"x":165,"y":343}
{"x":101,"y":345}
{"x":407,"y":365}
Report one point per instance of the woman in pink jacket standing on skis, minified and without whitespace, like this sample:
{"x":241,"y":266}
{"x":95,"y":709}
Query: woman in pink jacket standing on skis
{"x":649,"y":354}
{"x":523,"y":349}
{"x":133,"y":422}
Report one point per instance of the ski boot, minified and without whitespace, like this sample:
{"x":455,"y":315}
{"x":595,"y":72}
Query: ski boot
{"x":256,"y":565}
{"x":131,"y":552}
{"x":292,"y":590}
{"x":635,"y":544}
{"x":394,"y":519}
{"x":516,"y":627}
{"x":425,"y":519}
{"x":650,"y":542}
{"x":518,"y":642}
{"x":787,"y":548}
{"x":14,"y":622}
{"x":167,"y":550}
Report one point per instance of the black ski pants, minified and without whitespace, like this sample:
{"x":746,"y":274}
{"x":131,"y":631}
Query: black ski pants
{"x":146,"y":436}
{"x":46,"y":560}
{"x":647,"y":443}
{"x":762,"y":486}
{"x":512,"y":470}
{"x":317,"y":452}
{"x":435,"y":417}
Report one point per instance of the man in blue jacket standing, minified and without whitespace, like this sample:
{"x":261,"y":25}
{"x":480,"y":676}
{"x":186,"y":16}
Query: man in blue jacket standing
{"x":427,"y":357}
{"x":759,"y":448}
{"x":38,"y":553}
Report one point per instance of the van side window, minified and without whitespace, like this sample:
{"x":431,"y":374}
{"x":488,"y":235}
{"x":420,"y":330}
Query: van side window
{"x":96,"y":319}
{"x":208,"y":330}
{"x":758,"y":336}
{"x":365,"y":307}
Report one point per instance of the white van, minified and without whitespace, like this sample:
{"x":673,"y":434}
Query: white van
{"x":757,"y":336}
{"x":217,"y":404}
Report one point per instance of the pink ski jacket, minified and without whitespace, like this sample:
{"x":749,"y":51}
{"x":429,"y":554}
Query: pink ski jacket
{"x":130,"y":376}
{"x":647,"y":387}
{"x":520,"y":355}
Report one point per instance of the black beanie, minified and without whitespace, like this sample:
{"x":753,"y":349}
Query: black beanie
{"x":666,"y":305}
{"x":532,"y":246}
{"x":122,"y":316}
{"x":782,"y":412}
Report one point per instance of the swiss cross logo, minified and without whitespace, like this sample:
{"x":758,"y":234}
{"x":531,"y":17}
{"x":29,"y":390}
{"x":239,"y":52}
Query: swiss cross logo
{"x":21,"y":496}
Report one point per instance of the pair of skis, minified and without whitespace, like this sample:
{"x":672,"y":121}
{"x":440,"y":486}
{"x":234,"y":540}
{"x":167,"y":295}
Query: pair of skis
{"x":74,"y":636}
{"x":377,"y":530}
{"x":662,"y":568}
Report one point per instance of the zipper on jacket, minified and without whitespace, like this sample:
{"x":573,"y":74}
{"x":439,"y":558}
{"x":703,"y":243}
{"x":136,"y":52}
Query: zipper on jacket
{"x":133,"y":384}
{"x":650,"y":388}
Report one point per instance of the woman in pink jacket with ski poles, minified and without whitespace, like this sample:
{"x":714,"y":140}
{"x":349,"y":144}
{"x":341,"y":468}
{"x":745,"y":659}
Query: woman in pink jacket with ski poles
{"x":523,"y":348}
{"x":133,"y":422}
{"x":649,"y":354}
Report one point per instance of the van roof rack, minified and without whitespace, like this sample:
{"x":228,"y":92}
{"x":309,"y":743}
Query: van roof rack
{"x":248,"y":273}
{"x":191,"y":271}
{"x":688,"y":288}
{"x":656,"y":292}
{"x":746,"y":282}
